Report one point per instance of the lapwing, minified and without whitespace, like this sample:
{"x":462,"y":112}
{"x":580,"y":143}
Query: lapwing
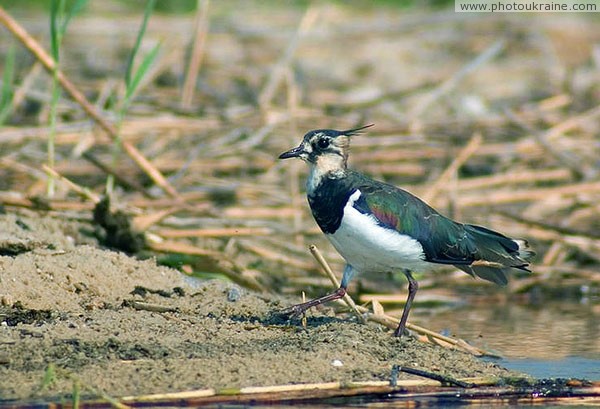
{"x":379,"y":228}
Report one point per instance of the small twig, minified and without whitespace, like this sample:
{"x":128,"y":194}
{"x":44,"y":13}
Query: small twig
{"x":443,"y":379}
{"x":145,"y":306}
{"x":81,"y":191}
{"x":323,"y":263}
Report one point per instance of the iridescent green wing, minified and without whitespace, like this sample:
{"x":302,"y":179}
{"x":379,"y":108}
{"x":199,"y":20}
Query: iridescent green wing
{"x":443,"y":240}
{"x":474,"y":249}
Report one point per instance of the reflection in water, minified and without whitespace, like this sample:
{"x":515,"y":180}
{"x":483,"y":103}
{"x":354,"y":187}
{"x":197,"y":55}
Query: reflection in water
{"x":549,"y":331}
{"x":548,"y":340}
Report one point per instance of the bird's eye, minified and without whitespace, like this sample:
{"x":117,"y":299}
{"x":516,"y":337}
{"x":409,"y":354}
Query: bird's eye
{"x":323,"y":143}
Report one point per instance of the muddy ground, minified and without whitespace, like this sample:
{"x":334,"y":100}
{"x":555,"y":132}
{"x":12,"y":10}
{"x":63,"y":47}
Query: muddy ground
{"x":126,"y":326}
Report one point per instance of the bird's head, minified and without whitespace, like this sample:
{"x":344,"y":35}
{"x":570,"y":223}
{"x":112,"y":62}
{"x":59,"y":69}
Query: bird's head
{"x":324,"y":146}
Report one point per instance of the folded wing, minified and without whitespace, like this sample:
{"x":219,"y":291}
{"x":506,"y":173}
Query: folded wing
{"x":476,"y":250}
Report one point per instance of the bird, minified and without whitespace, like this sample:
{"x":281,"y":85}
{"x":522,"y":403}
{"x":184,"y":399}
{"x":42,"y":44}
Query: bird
{"x":380,"y":228}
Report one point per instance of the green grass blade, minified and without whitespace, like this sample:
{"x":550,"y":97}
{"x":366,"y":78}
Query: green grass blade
{"x":7,"y":84}
{"x":138,"y":42}
{"x":132,"y":80}
{"x":75,"y":9}
{"x":76,"y":394}
{"x":140,"y":72}
{"x":57,"y":13}
{"x":55,"y":6}
{"x":49,"y":376}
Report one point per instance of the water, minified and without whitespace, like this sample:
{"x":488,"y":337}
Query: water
{"x":546,"y":340}
{"x":569,"y":367}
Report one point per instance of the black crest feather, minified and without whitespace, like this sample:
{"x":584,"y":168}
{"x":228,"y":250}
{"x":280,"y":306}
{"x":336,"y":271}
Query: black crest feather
{"x":356,"y":131}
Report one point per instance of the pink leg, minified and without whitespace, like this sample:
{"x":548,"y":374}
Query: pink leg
{"x":413,"y":286}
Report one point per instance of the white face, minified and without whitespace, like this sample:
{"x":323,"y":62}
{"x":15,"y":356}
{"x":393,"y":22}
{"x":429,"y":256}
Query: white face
{"x":324,"y":143}
{"x":320,"y":145}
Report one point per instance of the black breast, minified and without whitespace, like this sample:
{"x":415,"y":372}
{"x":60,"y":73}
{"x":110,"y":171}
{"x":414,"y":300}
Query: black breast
{"x":327,"y":202}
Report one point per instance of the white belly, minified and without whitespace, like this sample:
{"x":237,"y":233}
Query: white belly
{"x":369,"y":247}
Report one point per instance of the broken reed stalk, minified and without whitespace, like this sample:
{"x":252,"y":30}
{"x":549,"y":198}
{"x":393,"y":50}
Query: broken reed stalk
{"x":38,"y":51}
{"x":323,"y":263}
{"x":407,"y":392}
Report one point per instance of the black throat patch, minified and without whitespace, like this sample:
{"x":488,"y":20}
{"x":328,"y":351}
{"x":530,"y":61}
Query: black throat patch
{"x":328,"y":200}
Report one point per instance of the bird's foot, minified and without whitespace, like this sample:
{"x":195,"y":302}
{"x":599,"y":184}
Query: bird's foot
{"x":295,"y":310}
{"x":299,"y":309}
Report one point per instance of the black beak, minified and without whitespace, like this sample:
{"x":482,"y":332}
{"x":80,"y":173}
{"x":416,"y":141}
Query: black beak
{"x":292,"y":153}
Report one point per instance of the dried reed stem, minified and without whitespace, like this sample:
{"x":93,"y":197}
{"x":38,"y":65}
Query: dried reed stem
{"x":314,"y":250}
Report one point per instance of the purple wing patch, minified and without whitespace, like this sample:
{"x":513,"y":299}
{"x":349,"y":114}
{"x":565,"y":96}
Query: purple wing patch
{"x":388,"y":219}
